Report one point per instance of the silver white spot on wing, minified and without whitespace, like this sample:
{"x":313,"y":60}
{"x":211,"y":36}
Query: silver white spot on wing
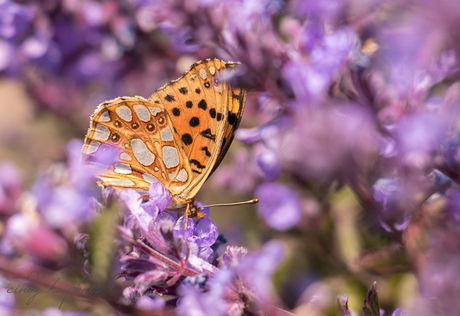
{"x":182,"y":176}
{"x":125,"y":156}
{"x":154,"y":110}
{"x":123,"y":168}
{"x":150,"y":178}
{"x":170,"y":156}
{"x":166,"y":134}
{"x":142,"y":112}
{"x":125,"y":113}
{"x":203,"y":73}
{"x":92,"y":146}
{"x":105,"y":117}
{"x":120,"y":182}
{"x":212,"y":70}
{"x":141,"y":152}
{"x":156,"y":169}
{"x":102,"y":132}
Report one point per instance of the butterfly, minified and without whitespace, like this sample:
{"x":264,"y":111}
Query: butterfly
{"x":177,"y":137}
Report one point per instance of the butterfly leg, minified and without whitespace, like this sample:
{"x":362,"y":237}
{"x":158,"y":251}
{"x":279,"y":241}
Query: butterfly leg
{"x":146,"y":195}
{"x":187,"y":211}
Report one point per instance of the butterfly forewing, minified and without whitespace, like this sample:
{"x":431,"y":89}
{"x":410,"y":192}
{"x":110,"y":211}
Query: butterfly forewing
{"x":147,"y":146}
{"x":178,"y":137}
{"x":199,"y":104}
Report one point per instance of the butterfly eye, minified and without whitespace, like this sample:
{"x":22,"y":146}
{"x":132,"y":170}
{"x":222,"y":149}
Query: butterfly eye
{"x":216,"y":81}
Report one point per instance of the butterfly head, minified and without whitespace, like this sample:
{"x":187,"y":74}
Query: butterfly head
{"x":179,"y":203}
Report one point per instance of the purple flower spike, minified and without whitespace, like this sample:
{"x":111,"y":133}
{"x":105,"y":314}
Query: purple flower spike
{"x":278,"y":206}
{"x":206,"y":232}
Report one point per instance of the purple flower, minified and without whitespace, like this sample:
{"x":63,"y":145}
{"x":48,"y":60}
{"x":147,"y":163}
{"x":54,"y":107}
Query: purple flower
{"x":152,"y":304}
{"x":54,"y":311}
{"x":7,"y":301}
{"x":145,"y":213}
{"x":206,"y":232}
{"x":398,"y":312}
{"x":390,"y":193}
{"x":278,"y":206}
{"x":32,"y":237}
{"x":10,"y":188}
{"x":256,"y":270}
{"x":196,"y":302}
{"x":269,"y":164}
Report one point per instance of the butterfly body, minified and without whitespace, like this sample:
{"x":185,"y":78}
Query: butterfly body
{"x":177,"y":137}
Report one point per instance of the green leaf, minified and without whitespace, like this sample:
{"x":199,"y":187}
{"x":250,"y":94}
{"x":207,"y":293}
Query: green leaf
{"x":371,"y":304}
{"x":101,"y":243}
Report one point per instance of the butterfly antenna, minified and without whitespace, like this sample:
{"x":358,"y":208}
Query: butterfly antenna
{"x":253,"y":201}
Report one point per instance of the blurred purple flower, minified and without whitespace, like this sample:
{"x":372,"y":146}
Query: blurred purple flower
{"x":398,"y":312}
{"x":278,"y":206}
{"x":390,"y":192}
{"x":54,"y":311}
{"x":241,"y":176}
{"x":155,"y":304}
{"x":269,"y":164}
{"x":7,"y":301}
{"x":31,"y":236}
{"x":10,"y":188}
{"x":68,"y":198}
{"x":333,"y":140}
{"x":15,"y":19}
{"x":256,"y":270}
{"x":310,"y":79}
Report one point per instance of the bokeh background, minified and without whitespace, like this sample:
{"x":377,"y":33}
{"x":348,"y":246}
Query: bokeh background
{"x":349,"y":136}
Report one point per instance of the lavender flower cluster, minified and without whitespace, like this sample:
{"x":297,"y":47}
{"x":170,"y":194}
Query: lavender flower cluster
{"x":353,"y":150}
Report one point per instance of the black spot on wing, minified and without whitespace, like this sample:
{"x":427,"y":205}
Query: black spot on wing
{"x":219,"y":116}
{"x":197,"y":91}
{"x":176,"y":111}
{"x":231,"y":118}
{"x":206,"y":151}
{"x":189,"y":104}
{"x":207,"y":134}
{"x":202,"y":104}
{"x":207,"y":85}
{"x":183,"y":90}
{"x":194,"y":121}
{"x":196,"y":171}
{"x":187,"y":139}
{"x":197,"y":164}
{"x":169,"y":98}
{"x":212,"y":113}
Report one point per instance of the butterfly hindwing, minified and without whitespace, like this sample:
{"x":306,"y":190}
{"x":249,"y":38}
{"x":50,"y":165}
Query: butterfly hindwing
{"x":148,"y":150}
